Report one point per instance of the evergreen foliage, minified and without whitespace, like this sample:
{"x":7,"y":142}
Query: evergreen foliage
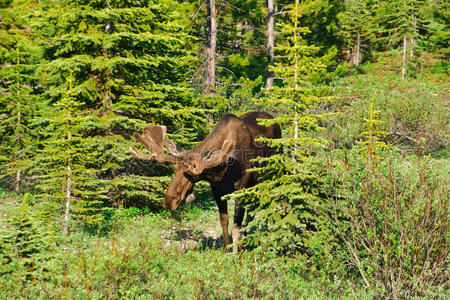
{"x":400,"y":18}
{"x":131,"y":67}
{"x":20,"y":91}
{"x":321,"y":17}
{"x":63,"y":160}
{"x":24,"y":248}
{"x":439,"y":26}
{"x":288,"y":194}
{"x":372,"y":138}
{"x":358,"y":29}
{"x":400,"y":21}
{"x":241,"y":40}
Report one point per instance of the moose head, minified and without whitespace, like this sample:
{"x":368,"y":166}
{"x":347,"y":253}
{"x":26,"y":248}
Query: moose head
{"x":188,"y":165}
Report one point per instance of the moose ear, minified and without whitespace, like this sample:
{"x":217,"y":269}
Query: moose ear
{"x":227,"y":148}
{"x":212,"y":158}
{"x":173,"y":148}
{"x":217,"y":156}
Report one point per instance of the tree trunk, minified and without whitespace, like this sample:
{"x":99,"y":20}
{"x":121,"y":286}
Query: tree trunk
{"x":108,"y":25}
{"x":68,"y":198}
{"x":295,"y":106}
{"x":358,"y":48}
{"x":238,"y":41}
{"x":412,"y":41}
{"x":18,"y":177}
{"x":19,"y":124}
{"x":210,"y":53}
{"x":270,"y":41}
{"x":404,"y":57}
{"x":69,"y":169}
{"x":295,"y":82}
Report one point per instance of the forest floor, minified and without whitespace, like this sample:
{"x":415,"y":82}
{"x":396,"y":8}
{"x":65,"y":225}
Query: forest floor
{"x":164,"y":255}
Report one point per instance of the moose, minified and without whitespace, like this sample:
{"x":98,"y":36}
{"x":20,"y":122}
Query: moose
{"x":222,"y":159}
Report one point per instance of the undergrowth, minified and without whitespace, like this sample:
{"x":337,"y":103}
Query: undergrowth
{"x":412,"y":109}
{"x":140,"y":260}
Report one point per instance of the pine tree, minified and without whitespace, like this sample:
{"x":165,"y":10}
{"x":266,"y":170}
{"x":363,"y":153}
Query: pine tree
{"x":371,"y":139}
{"x":400,"y":21}
{"x":357,"y":29}
{"x":23,"y":244}
{"x":288,"y":192}
{"x":438,"y":25}
{"x":131,"y":67}
{"x":19,"y":92}
{"x":62,"y":163}
{"x":321,"y":18}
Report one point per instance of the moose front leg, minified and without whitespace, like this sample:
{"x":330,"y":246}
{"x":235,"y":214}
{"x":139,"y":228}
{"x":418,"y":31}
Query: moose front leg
{"x":223,"y":211}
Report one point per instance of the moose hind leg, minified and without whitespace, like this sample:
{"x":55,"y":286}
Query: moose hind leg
{"x":237,"y":224}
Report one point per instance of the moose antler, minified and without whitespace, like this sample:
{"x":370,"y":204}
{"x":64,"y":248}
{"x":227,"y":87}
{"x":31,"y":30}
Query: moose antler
{"x":153,"y":140}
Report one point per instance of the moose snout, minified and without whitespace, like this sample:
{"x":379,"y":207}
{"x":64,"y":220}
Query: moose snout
{"x":190,"y":198}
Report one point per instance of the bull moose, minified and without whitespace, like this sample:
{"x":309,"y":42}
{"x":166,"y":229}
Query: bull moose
{"x":222,"y":159}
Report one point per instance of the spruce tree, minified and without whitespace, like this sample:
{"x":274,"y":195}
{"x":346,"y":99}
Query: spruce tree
{"x":438,"y":25}
{"x":63,"y":158}
{"x":321,"y":18}
{"x":288,"y":191}
{"x":20,"y":56}
{"x":357,"y":29}
{"x":400,"y":21}
{"x":23,"y":245}
{"x":131,"y":67}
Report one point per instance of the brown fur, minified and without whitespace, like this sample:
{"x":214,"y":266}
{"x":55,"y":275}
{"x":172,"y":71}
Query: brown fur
{"x":222,"y":159}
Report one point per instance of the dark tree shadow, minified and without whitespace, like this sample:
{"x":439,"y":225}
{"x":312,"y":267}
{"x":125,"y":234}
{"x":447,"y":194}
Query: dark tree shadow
{"x":195,"y":239}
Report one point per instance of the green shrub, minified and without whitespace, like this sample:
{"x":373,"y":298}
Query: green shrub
{"x":24,"y":249}
{"x":137,"y":260}
{"x":393,"y":220}
{"x":392,"y":216}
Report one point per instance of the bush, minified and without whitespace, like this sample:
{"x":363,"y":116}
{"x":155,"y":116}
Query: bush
{"x":392,"y":217}
{"x":24,"y":249}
